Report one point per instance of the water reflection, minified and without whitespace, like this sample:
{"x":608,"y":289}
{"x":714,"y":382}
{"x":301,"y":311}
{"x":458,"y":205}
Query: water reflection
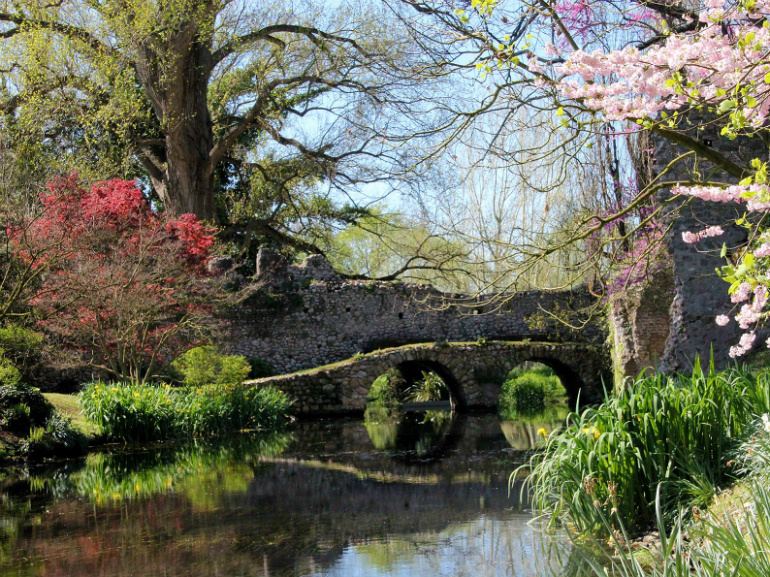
{"x":330,"y":498}
{"x":529,"y":432}
{"x":411,"y":431}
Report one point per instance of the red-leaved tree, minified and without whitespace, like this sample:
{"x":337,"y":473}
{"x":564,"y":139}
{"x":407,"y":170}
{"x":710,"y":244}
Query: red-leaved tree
{"x":125,"y":287}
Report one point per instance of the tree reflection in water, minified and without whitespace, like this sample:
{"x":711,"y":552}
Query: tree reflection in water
{"x":320,"y":500}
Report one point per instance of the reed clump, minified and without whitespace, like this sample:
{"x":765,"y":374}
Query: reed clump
{"x":147,"y":412}
{"x":676,"y":437}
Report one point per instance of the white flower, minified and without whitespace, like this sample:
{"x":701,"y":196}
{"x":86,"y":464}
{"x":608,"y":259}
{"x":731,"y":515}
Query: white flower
{"x":766,"y":422}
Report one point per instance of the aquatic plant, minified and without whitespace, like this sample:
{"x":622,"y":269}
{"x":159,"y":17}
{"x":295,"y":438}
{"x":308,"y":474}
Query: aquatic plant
{"x":676,"y":435}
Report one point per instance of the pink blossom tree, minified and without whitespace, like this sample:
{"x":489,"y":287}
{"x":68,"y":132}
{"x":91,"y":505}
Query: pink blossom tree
{"x":668,"y":70}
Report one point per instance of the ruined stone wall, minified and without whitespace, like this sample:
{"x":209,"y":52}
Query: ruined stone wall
{"x":640,"y":322}
{"x":305,"y":316}
{"x":700,"y":293}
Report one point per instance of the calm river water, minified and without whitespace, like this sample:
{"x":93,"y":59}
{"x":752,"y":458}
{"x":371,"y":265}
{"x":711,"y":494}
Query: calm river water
{"x":427,"y":496}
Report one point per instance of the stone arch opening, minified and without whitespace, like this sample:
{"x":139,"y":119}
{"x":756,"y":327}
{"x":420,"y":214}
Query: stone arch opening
{"x":414,"y":370}
{"x":568,"y":376}
{"x":532,"y":389}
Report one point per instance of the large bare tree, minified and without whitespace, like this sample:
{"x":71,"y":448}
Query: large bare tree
{"x":218,"y":99}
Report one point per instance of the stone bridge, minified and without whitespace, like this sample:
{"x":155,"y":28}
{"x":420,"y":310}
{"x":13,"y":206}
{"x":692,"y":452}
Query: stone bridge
{"x":305,"y":316}
{"x":473,"y":372}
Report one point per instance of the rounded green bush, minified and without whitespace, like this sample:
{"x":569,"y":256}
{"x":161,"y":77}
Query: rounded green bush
{"x":203,"y":366}
{"x":9,"y":374}
{"x":21,"y":346}
{"x":525,"y":394}
{"x":22,"y":407}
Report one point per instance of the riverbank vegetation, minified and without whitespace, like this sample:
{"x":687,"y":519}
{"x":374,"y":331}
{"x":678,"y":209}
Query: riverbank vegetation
{"x":31,"y":427}
{"x":529,"y":390}
{"x":132,"y":412}
{"x":662,"y":444}
{"x":731,"y":538}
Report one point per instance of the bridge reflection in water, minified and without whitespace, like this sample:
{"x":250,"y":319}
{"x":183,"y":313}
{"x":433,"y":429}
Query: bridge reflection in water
{"x":321,"y":500}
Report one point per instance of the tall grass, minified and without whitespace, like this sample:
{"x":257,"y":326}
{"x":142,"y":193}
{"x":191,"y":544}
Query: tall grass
{"x":130,"y":412}
{"x":676,"y":435}
{"x":735,"y":545}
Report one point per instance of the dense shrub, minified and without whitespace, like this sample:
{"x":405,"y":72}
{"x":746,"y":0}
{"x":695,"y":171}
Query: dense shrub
{"x":528,"y":390}
{"x":38,"y":430}
{"x":22,"y":408}
{"x":260,"y":368}
{"x":21,"y":346}
{"x":9,"y":374}
{"x":147,"y":412}
{"x":203,"y":366}
{"x":677,"y":434}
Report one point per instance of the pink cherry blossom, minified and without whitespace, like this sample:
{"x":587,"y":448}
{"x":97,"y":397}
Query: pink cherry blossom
{"x":722,"y":320}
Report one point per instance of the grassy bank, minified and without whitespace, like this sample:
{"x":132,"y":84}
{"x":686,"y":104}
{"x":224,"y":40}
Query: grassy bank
{"x":69,"y":407}
{"x":660,"y":445}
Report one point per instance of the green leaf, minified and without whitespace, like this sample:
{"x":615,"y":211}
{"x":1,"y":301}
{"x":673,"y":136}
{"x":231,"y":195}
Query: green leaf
{"x":726,"y":105}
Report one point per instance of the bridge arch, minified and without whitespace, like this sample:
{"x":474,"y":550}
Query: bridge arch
{"x":568,"y":375}
{"x":474,"y":372}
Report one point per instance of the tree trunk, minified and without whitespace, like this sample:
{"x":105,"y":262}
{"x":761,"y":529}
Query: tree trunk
{"x":189,"y":135}
{"x":189,"y":178}
{"x":186,"y":183}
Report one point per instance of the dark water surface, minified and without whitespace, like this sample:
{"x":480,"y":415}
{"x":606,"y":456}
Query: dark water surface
{"x":423,"y":497}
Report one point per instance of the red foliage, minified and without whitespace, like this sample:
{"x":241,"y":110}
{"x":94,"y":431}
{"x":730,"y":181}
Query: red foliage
{"x":126,"y":286}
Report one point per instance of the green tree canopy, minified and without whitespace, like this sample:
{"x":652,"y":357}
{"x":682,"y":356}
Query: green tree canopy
{"x":240,"y":111}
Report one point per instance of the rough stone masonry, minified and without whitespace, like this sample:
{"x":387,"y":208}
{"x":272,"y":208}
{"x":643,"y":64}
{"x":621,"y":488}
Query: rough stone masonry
{"x":307,"y":315}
